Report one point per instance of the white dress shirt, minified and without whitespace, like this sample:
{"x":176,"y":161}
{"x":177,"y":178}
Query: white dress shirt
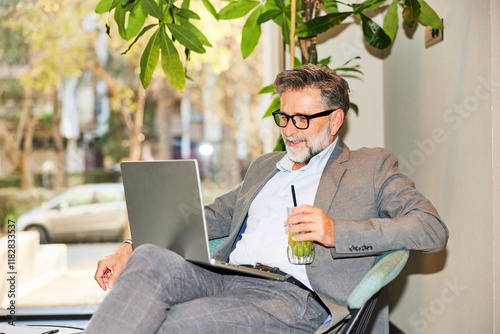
{"x":264,"y":240}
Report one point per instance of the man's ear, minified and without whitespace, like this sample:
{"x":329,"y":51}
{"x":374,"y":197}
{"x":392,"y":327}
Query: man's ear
{"x":337,"y":121}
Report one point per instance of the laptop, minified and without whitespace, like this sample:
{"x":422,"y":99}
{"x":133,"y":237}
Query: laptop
{"x":165,"y":208}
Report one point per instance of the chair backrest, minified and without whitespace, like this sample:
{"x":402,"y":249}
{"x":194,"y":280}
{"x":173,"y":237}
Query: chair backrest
{"x":364,"y":297}
{"x":360,"y":318}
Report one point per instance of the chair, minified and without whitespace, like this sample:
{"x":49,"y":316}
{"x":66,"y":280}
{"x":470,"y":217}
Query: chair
{"x":364,"y":297}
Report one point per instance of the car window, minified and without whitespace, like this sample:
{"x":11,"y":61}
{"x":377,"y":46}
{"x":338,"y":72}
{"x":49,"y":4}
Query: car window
{"x":80,"y":198}
{"x":109,"y":195}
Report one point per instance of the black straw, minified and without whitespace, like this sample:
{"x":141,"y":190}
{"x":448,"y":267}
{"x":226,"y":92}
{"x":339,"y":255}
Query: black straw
{"x":293,"y":196}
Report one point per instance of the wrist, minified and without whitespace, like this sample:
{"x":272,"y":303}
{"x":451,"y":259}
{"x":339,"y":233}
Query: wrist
{"x":126,"y":247}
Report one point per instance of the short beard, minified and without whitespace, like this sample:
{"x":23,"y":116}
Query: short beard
{"x":314,"y":145}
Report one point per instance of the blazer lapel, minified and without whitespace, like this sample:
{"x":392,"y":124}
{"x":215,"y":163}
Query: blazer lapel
{"x":332,"y":174}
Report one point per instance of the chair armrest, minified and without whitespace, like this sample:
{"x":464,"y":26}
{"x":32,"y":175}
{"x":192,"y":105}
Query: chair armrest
{"x":387,"y":266}
{"x":214,"y":243}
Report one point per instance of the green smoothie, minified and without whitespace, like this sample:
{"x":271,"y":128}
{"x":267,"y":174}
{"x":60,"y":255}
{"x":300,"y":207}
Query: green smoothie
{"x":299,"y":248}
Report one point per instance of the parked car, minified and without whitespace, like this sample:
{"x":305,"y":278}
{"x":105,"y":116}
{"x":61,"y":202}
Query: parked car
{"x":87,"y":212}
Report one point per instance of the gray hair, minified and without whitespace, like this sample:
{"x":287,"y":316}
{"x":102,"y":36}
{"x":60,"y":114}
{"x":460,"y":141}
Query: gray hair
{"x":334,"y":89}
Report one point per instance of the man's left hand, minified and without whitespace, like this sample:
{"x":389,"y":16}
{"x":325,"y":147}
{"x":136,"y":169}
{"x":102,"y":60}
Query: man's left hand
{"x":314,"y":222}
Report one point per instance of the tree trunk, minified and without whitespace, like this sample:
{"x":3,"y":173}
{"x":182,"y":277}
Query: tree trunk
{"x":60,"y":177}
{"x":135,"y":128}
{"x":309,"y":10}
{"x":162,"y":122}
{"x":27,"y":144}
{"x":230,"y":171}
{"x":9,"y":143}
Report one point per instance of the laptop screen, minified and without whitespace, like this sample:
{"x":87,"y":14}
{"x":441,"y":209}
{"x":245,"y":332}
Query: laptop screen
{"x":164,"y":206}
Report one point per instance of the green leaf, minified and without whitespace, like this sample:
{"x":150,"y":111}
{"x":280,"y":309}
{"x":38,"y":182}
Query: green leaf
{"x":120,"y":21}
{"x":149,"y":59}
{"x":186,"y":37}
{"x":152,"y":8}
{"x":354,"y":107}
{"x":411,"y":9}
{"x":128,"y":5}
{"x":211,"y":9}
{"x":136,"y":20}
{"x":374,"y":35}
{"x":325,"y":62}
{"x":268,"y":15}
{"x":166,"y":5}
{"x":280,"y":4}
{"x":285,"y":28}
{"x":103,"y":6}
{"x":280,"y":144}
{"x":283,"y":22}
{"x":237,"y":9}
{"x":275,"y":105}
{"x":171,"y":62}
{"x":428,"y":16}
{"x":297,"y":62}
{"x":370,"y":5}
{"x":353,"y":58}
{"x":250,"y":34}
{"x":271,"y":5}
{"x":204,"y":40}
{"x":347,"y":69}
{"x":139,"y":36}
{"x":391,"y":20}
{"x":321,"y":24}
{"x":268,"y":89}
{"x":188,"y":14}
{"x":331,"y":6}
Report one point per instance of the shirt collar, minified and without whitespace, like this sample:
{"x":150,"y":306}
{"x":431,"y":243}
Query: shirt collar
{"x":286,"y":165}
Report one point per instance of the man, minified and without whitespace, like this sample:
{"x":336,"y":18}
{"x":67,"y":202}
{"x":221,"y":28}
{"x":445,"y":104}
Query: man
{"x":353,"y":204}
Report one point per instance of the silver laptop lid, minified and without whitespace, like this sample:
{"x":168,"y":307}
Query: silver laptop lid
{"x":165,"y":207}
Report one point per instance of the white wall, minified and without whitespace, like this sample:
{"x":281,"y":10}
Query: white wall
{"x":438,"y":110}
{"x":439,"y":120}
{"x":495,"y":109}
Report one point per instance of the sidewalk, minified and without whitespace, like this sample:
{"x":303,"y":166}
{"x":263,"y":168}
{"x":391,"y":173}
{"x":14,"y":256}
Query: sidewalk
{"x":77,"y":285}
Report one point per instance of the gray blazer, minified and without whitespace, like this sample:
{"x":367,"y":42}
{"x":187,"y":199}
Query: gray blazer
{"x":374,"y":206}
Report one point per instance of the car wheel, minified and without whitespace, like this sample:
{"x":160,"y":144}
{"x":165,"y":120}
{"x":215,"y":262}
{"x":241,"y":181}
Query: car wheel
{"x":44,"y":237}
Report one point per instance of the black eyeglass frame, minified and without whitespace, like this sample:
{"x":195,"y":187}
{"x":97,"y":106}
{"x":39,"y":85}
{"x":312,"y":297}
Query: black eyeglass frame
{"x":307,"y":117}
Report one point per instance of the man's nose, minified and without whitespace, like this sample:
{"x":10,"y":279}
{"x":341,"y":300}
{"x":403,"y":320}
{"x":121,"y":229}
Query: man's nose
{"x":290,"y":129}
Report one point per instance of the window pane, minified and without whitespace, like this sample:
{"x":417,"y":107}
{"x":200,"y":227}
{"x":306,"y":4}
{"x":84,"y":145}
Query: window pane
{"x":109,"y":195}
{"x":83,"y":198}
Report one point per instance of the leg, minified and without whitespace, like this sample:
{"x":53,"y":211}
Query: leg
{"x":153,"y":280}
{"x":248,"y":305}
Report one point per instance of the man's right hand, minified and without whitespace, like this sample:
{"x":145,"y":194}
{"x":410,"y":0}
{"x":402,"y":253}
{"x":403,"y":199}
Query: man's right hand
{"x":111,"y":266}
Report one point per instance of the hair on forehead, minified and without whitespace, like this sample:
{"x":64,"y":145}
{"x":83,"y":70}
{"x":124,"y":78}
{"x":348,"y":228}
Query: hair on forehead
{"x":334,"y":90}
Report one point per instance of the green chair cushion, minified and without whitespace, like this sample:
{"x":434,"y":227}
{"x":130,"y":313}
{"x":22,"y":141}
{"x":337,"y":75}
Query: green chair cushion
{"x":387,"y":266}
{"x":214,"y":243}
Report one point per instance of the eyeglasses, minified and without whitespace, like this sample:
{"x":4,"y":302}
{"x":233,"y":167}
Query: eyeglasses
{"x":301,"y":122}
